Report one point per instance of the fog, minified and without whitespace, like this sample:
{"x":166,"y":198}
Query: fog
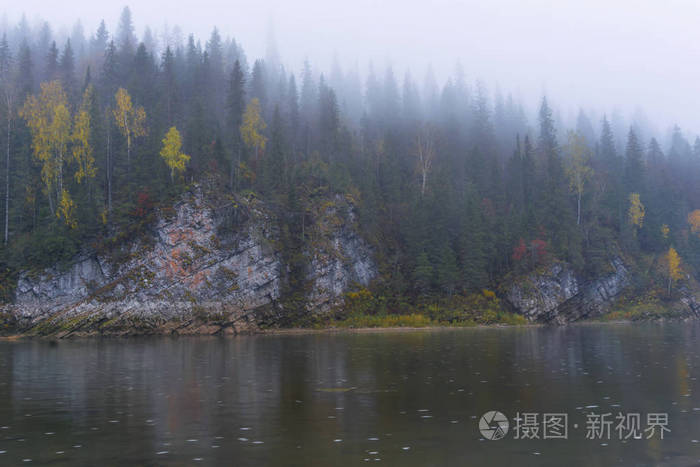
{"x":614,"y":57}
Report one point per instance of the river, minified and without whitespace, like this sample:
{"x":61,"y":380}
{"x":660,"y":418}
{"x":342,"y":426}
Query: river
{"x":408,"y":398}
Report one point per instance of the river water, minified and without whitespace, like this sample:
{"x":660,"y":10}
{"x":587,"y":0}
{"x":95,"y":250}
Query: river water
{"x":408,"y":398}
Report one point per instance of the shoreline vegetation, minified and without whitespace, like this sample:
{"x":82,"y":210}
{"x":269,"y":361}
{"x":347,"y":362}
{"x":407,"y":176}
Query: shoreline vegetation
{"x":427,"y":317}
{"x":372,"y":327}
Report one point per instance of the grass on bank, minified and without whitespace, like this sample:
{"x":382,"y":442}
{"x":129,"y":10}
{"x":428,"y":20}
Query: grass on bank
{"x":653,"y":304}
{"x":365,"y":310}
{"x":641,"y":311}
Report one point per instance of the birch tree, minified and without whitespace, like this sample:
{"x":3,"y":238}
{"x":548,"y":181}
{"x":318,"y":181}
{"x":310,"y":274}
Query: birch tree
{"x":8,"y":95}
{"x":172,"y":154}
{"x":130,"y":119}
{"x":252,"y":128}
{"x":49,"y":122}
{"x":673,"y":263}
{"x":82,"y":150}
{"x":578,"y":171}
{"x":636,"y":211}
{"x":425,"y":152}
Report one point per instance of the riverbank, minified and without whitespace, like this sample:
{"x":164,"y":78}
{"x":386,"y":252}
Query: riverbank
{"x":614,"y":319}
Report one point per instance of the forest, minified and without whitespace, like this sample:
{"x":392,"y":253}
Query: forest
{"x":457,"y":187}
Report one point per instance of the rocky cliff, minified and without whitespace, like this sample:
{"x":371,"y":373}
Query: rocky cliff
{"x":201,"y":269}
{"x":216,"y":264}
{"x":557,"y":294}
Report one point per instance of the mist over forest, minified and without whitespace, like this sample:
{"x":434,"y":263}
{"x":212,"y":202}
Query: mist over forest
{"x":458,"y":183}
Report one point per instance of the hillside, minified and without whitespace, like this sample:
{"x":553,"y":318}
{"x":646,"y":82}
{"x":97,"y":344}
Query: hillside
{"x":443,"y":197}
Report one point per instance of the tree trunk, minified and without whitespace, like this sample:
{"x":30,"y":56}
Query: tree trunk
{"x":238,"y":166}
{"x":578,"y":212}
{"x":109,"y":171}
{"x":128,"y":157}
{"x":232,"y":173}
{"x":7,"y":175}
{"x":51,"y":206}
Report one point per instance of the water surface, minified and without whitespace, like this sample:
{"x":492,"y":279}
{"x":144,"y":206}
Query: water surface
{"x":393,"y":398}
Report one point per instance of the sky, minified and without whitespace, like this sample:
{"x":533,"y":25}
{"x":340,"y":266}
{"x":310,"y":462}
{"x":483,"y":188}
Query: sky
{"x":607,"y":55}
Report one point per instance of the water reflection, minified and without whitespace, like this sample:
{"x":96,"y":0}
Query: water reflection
{"x":408,"y":398}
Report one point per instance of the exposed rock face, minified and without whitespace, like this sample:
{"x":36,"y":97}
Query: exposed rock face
{"x":344,"y":260}
{"x":57,"y":288}
{"x":190,"y":276}
{"x":559,"y":295}
{"x":689,"y":303}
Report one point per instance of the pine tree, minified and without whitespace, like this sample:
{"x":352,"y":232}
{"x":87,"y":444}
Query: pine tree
{"x":234,"y":109}
{"x":169,"y":86}
{"x":274,"y":163}
{"x":556,"y":214}
{"x":51,"y":71}
{"x":66,"y":69}
{"x":634,"y":165}
{"x":110,"y":74}
{"x":258,"y":82}
{"x":98,"y":44}
{"x":125,"y":38}
{"x":329,"y":121}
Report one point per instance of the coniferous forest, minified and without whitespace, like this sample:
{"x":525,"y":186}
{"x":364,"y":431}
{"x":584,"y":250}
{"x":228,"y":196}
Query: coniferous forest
{"x":457,"y":186}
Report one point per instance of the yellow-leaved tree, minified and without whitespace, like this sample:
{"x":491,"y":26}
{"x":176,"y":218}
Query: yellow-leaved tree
{"x":82,"y":150}
{"x":172,"y":154}
{"x":66,"y":210}
{"x":579,"y":171}
{"x":49,"y":122}
{"x":130,"y":119}
{"x":252,"y":127}
{"x":694,"y":221}
{"x":636,"y":211}
{"x":673,"y":261}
